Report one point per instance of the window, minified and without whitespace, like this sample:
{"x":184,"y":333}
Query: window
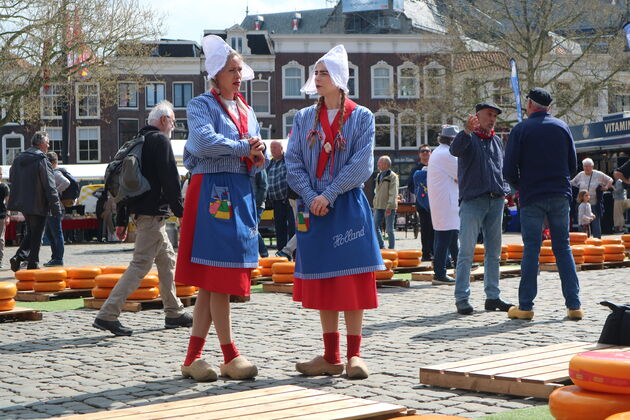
{"x":292,"y":80}
{"x":620,"y":102}
{"x":260,"y":96}
{"x":382,"y":80}
{"x":182,"y":94}
{"x":52,"y":102}
{"x":127,"y":129}
{"x":237,"y":44}
{"x":409,"y":130}
{"x":243,"y":89}
{"x":127,"y":95}
{"x":433,"y":128}
{"x":287,"y":122}
{"x":56,"y":140}
{"x":154,"y":93}
{"x":434,"y":80}
{"x":501,"y":91}
{"x":265,"y":133}
{"x":181,"y":130}
{"x":384,"y":126}
{"x":408,"y":75}
{"x":87,"y":101}
{"x":12,"y":144}
{"x":353,"y":81}
{"x":88,"y":144}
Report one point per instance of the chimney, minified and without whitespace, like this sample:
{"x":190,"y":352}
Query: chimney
{"x":295,"y":22}
{"x":258,"y":23}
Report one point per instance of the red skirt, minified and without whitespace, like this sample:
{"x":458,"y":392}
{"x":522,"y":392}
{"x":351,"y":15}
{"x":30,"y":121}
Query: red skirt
{"x":345,"y":293}
{"x":231,"y":281}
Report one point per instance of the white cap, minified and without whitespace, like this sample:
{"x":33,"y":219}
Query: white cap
{"x":217,"y":51}
{"x":336,"y":62}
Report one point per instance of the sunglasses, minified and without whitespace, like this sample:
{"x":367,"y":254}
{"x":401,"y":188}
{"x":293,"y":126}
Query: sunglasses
{"x":425,"y":151}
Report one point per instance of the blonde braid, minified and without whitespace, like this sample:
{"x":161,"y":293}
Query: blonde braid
{"x":318,"y":108}
{"x":342,"y":110}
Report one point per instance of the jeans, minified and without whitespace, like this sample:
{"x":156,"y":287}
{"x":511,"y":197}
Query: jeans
{"x":445,"y":243}
{"x":427,"y":234}
{"x":596,"y":224}
{"x":557,"y":211}
{"x":32,"y":241}
{"x":262,"y":248}
{"x":483,"y":213}
{"x":54,"y":233}
{"x":379,"y":215}
{"x":284,"y":222}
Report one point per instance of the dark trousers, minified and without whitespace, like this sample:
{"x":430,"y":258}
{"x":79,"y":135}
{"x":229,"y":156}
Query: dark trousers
{"x":284,"y":222}
{"x":426,"y":234}
{"x":445,"y":244}
{"x":32,"y":241}
{"x":262,"y":248}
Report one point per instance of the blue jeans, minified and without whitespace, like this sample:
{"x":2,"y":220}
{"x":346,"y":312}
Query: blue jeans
{"x":54,"y":233}
{"x":557,"y":211}
{"x":483,"y":213}
{"x":284,"y":221}
{"x":262,"y":248}
{"x":379,"y":215}
{"x":596,"y":224}
{"x":445,"y":243}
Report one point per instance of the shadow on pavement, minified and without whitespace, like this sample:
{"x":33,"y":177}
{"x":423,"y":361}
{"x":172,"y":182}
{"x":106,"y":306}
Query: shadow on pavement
{"x":468,"y":332}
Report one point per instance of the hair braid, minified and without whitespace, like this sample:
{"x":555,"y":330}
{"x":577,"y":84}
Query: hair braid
{"x":342,"y":109}
{"x":318,"y":108}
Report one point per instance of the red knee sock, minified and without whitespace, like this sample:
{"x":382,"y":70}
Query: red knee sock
{"x":331,"y":347}
{"x":354,"y":345}
{"x":229,"y":352}
{"x":195,"y":346}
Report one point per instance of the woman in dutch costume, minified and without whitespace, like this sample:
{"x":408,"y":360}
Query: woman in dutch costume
{"x":329,"y":157}
{"x":219,"y":238}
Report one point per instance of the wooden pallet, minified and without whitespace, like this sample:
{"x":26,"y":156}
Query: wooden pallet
{"x":280,"y":402}
{"x":534,"y":372}
{"x":393,"y":282}
{"x":31,"y":296}
{"x":20,"y":314}
{"x":278,"y":287}
{"x":505,"y":271}
{"x":137,"y":305}
{"x":426,"y":266}
{"x":589,"y":266}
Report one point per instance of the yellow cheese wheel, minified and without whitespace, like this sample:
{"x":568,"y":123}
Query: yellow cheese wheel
{"x":546,"y":242}
{"x":185,"y":290}
{"x":51,"y":275}
{"x":84,"y":272}
{"x":479,"y":249}
{"x":547,"y":259}
{"x":390,"y":254}
{"x":144,"y":293}
{"x":546,"y":250}
{"x":114,"y":269}
{"x":25,"y":285}
{"x":255,"y":273}
{"x":384,"y":275}
{"x":579,"y":259}
{"x":149,"y":281}
{"x":513,"y":255}
{"x":283,"y":268}
{"x":614,"y":257}
{"x":80,"y":283}
{"x":49,"y":286}
{"x":7,"y":304}
{"x":593,"y":241}
{"x":409,"y":254}
{"x":620,"y":416}
{"x":575,"y":403}
{"x":101,"y":292}
{"x":611,"y":241}
{"x":26,"y":275}
{"x":107,"y":280}
{"x":594,"y":250}
{"x":602,"y":371}
{"x":388,"y":264}
{"x":478,"y":258}
{"x":408,"y":262}
{"x":577,"y":250}
{"x":282,"y":278}
{"x":594,"y":258}
{"x":7,"y":290}
{"x":267,"y":262}
{"x":266,"y":271}
{"x":577,"y":236}
{"x":515,"y":248}
{"x":614,"y":249}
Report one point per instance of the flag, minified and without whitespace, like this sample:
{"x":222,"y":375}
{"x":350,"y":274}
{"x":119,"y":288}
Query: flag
{"x":79,"y":55}
{"x":516,"y":89}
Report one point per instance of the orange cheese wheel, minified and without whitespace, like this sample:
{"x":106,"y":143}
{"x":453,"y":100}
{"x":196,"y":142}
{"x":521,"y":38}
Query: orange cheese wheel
{"x":546,"y":250}
{"x":547,"y":259}
{"x":384,"y":275}
{"x":577,"y":250}
{"x":107,"y":280}
{"x":49,"y":286}
{"x":611,"y":241}
{"x":620,"y":416}
{"x":185,"y":290}
{"x":388,"y":264}
{"x":84,"y":272}
{"x":626,"y":237}
{"x":50,"y":275}
{"x":25,"y":285}
{"x":149,"y":281}
{"x":478,"y":258}
{"x":7,"y":290}
{"x":267,"y":262}
{"x":266,"y":271}
{"x":504,"y":256}
{"x":594,"y":258}
{"x":114,"y":269}
{"x":614,"y":249}
{"x":593,"y":241}
{"x":575,"y":403}
{"x":408,"y":262}
{"x":594,"y":250}
{"x":80,"y":283}
{"x":579,"y":259}
{"x":614,"y":257}
{"x":101,"y":292}
{"x":627,"y":245}
{"x":390,"y":254}
{"x":479,"y":249}
{"x":7,"y":304}
{"x":26,"y":275}
{"x":144,"y":293}
{"x":255,"y":273}
{"x":409,"y":254}
{"x":515,"y":255}
{"x":515,"y":248}
{"x":546,"y":242}
{"x":283,"y":268}
{"x":504,"y":249}
{"x":395,"y":263}
{"x":282,"y":278}
{"x":602,"y":371}
{"x":578,"y":236}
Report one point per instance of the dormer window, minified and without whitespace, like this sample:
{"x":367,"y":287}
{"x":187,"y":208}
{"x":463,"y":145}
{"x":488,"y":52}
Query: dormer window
{"x":237,"y":44}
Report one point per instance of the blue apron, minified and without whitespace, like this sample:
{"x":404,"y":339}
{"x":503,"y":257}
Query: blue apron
{"x":341,"y":243}
{"x":226,"y":231}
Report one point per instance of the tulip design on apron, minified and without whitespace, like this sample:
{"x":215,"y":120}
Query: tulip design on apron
{"x":303,"y":217}
{"x":220,"y":205}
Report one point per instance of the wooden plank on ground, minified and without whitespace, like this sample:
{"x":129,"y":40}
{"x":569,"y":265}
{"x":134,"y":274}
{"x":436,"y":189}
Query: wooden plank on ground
{"x":554,"y":267}
{"x":505,"y":271}
{"x":278,"y":287}
{"x":20,"y":314}
{"x":424,"y":266}
{"x":392,"y":282}
{"x":137,"y":305}
{"x":32,"y":296}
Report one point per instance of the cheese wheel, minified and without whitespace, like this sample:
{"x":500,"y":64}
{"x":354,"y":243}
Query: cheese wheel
{"x":144,"y":293}
{"x":25,"y":285}
{"x":408,"y":262}
{"x":101,"y":292}
{"x":620,"y":416}
{"x":7,"y":304}
{"x":577,"y":250}
{"x":614,"y":249}
{"x":627,"y":245}
{"x":266,"y":271}
{"x":594,"y":258}
{"x":282,"y":278}
{"x":515,"y":255}
{"x":107,"y":280}
{"x":384,"y":275}
{"x":255,"y":273}
{"x":390,"y":254}
{"x":153,"y":273}
{"x":578,"y":236}
{"x":267,"y":262}
{"x":515,"y":248}
{"x":114,"y":269}
{"x":547,"y":259}
{"x":611,"y":241}
{"x":504,"y":256}
{"x":185,"y":290}
{"x":84,"y":272}
{"x":626,"y":237}
{"x":283,"y":268}
{"x":7,"y":290}
{"x":149,"y":281}
{"x":579,"y":259}
{"x":81,"y":283}
{"x":504,"y":249}
{"x":546,"y":242}
{"x":395,"y":263}
{"x":575,"y":403}
{"x":478,"y":258}
{"x":601,"y":371}
{"x":479,"y":249}
{"x":27,"y":275}
{"x":50,"y":275}
{"x":594,"y":250}
{"x":546,"y":250}
{"x":409,"y":254}
{"x":593,"y":241}
{"x":388,"y":264}
{"x":614,"y":257}
{"x":49,"y":286}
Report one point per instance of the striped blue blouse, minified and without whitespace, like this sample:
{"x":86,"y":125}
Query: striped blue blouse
{"x":352,"y":167}
{"x":214,"y":144}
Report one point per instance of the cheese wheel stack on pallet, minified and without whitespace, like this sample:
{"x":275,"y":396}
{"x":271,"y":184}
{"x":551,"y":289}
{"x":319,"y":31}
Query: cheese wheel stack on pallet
{"x":593,"y":241}
{"x":50,"y":280}
{"x":577,"y":238}
{"x":515,"y":251}
{"x":504,"y":252}
{"x":593,"y":254}
{"x":184,"y":290}
{"x":408,"y":257}
{"x":82,"y":277}
{"x":282,"y":272}
{"x":266,"y":263}
{"x":390,"y":254}
{"x":26,"y":279}
{"x":614,"y":252}
{"x":7,"y":295}
{"x":386,"y":274}
{"x":546,"y":255}
{"x":480,"y":253}
{"x":626,"y":241}
{"x":148,"y":288}
{"x":578,"y":253}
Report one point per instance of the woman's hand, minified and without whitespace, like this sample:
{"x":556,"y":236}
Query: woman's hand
{"x":319,"y":206}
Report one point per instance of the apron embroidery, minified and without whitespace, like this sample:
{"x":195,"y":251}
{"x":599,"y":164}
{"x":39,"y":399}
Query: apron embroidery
{"x":303,"y":217}
{"x":220,"y":204}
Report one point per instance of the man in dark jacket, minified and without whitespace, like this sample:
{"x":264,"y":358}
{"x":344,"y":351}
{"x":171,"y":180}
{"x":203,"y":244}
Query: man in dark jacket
{"x":33,"y":193}
{"x":150,"y":211}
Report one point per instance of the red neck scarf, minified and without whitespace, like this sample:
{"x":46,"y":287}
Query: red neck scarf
{"x":333,"y":138}
{"x":240,"y":122}
{"x":484,"y":134}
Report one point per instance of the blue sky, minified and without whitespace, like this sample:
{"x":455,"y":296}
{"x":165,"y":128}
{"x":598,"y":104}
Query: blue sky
{"x":186,"y":19}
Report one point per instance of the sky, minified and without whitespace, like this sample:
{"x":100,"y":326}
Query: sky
{"x":186,"y":19}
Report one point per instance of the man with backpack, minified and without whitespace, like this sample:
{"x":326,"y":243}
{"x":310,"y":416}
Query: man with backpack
{"x":53,"y":230}
{"x":155,"y":160}
{"x":385,"y":201}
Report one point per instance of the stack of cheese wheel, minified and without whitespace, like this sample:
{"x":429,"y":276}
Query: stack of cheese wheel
{"x":480,"y":253}
{"x":578,"y":253}
{"x":626,"y":242}
{"x":25,"y":279}
{"x":614,"y":252}
{"x":82,"y":277}
{"x":594,"y":254}
{"x":282,"y":272}
{"x":266,"y":263}
{"x":183,"y":290}
{"x":515,"y":251}
{"x":573,"y":402}
{"x":593,"y":241}
{"x":546,"y":255}
{"x":577,"y":238}
{"x":256,"y":273}
{"x":388,"y":273}
{"x":7,"y":293}
{"x":148,"y":288}
{"x":409,"y":257}
{"x":504,"y":252}
{"x":390,"y":254}
{"x":546,"y":242}
{"x":50,"y":280}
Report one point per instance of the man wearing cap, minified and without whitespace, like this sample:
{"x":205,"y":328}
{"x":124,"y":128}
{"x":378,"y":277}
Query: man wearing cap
{"x":543,"y":181}
{"x":443,"y":190}
{"x":481,"y":194}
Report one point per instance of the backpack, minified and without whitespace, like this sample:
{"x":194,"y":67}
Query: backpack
{"x":74,"y":189}
{"x":123,"y":176}
{"x":422,"y":191}
{"x":617,"y":327}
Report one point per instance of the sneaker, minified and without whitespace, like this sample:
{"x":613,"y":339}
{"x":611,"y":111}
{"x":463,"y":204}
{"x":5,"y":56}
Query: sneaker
{"x":283,"y":254}
{"x":515,"y":313}
{"x":184,"y":320}
{"x":463,"y":307}
{"x":115,"y":327}
{"x":15,"y":263}
{"x":53,"y":263}
{"x":497,"y":305}
{"x":443,"y":280}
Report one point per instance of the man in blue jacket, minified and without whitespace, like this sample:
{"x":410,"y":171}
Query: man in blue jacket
{"x":543,"y":181}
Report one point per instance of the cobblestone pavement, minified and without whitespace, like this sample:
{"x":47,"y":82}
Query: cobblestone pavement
{"x":61,"y":365}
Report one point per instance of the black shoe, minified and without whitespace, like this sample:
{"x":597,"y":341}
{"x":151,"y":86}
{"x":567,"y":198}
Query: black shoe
{"x":463,"y":307}
{"x":115,"y":327}
{"x":53,"y":263}
{"x":282,"y":254}
{"x":33,"y":266}
{"x":474,"y":266}
{"x":443,"y":280}
{"x":497,"y":305}
{"x":184,"y":320}
{"x":15,"y":263}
